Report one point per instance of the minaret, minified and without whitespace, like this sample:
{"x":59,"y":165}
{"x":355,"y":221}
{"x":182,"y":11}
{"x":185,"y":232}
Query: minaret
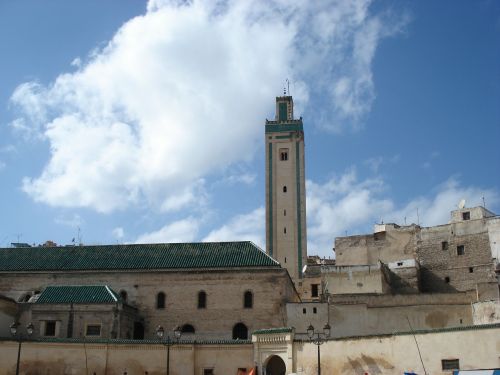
{"x":286,"y":239}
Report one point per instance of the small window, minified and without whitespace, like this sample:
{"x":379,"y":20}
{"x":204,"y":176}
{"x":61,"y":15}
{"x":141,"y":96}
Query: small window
{"x":202,"y":300}
{"x":283,"y":154}
{"x":304,"y":310}
{"x":466,"y":215}
{"x":248,"y":300}
{"x":284,"y":189}
{"x":471,"y":269}
{"x":240,"y":332}
{"x":460,"y":250}
{"x":284,"y":212}
{"x":450,"y":364}
{"x":284,"y":230}
{"x":123,"y":294}
{"x":93,"y":330}
{"x":315,"y":310}
{"x":400,"y":263}
{"x":208,"y":371}
{"x":447,"y":279}
{"x":314,"y":290}
{"x":444,"y":245}
{"x":160,"y":300}
{"x":50,"y":328}
{"x":187,"y":328}
{"x":242,"y":371}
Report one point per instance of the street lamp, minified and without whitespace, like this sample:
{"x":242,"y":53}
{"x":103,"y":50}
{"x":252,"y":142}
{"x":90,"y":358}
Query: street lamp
{"x":319,"y":340}
{"x":13,"y":332}
{"x":160,"y":332}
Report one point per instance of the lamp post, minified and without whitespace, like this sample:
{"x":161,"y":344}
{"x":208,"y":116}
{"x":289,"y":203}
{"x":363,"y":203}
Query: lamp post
{"x":160,"y":332}
{"x":13,"y":332}
{"x":318,"y":340}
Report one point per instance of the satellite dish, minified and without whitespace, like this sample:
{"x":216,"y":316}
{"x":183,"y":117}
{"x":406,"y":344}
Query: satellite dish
{"x":304,"y":269}
{"x":461,"y":204}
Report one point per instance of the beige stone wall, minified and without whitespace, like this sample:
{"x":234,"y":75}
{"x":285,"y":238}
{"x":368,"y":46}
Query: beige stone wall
{"x":475,"y":349}
{"x":118,"y":359}
{"x":8,"y":312}
{"x":271,"y":288}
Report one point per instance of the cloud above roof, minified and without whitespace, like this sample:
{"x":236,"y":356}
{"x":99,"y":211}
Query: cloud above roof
{"x":181,"y":92}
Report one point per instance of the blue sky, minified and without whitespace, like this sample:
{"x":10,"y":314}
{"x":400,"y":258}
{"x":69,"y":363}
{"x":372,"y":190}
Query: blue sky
{"x":128,"y":122}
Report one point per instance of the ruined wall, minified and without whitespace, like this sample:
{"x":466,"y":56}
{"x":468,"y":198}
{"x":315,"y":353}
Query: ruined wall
{"x":474,"y":348}
{"x":387,"y":246}
{"x":271,"y":288}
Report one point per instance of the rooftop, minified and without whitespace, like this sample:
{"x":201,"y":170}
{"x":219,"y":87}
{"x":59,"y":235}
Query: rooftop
{"x":86,"y":294}
{"x":199,"y":255}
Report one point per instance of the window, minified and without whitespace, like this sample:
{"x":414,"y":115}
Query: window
{"x":314,"y":290}
{"x":304,"y":310}
{"x":460,"y":250}
{"x":284,"y":230}
{"x":315,"y":310}
{"x":284,"y":212}
{"x":208,"y":371}
{"x":93,"y":330}
{"x":466,"y":215}
{"x":240,"y":332}
{"x":202,"y":300}
{"x":447,"y":279}
{"x":450,"y":364}
{"x":242,"y":371}
{"x":283,"y":154}
{"x":444,"y":245}
{"x":400,"y":263}
{"x":123,"y":294}
{"x":471,"y":269}
{"x":187,"y":328}
{"x":160,"y":300}
{"x":248,"y":300}
{"x":284,"y":189}
{"x":50,"y":328}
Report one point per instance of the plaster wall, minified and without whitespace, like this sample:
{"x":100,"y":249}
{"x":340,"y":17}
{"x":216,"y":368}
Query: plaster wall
{"x":475,"y":349}
{"x":119,"y":359}
{"x":8,"y":312}
{"x":486,"y":312}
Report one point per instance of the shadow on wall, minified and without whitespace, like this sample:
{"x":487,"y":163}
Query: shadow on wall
{"x":366,"y":364}
{"x":432,"y":283}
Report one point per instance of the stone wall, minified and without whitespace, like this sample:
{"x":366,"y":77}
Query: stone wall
{"x":225,"y":289}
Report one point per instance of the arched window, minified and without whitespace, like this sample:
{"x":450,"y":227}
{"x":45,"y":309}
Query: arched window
{"x":123,"y":294}
{"x":248,"y":300}
{"x":240,"y":332}
{"x":160,"y":300}
{"x":202,"y":300}
{"x":284,"y":189}
{"x":187,"y":328}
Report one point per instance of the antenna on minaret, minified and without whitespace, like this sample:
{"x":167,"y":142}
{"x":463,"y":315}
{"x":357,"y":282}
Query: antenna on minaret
{"x":484,"y":203}
{"x":287,"y":88}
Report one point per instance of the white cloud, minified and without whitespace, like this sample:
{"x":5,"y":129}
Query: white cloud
{"x":178,"y":94}
{"x":346,"y":204}
{"x":118,"y":233}
{"x":184,"y":230}
{"x":73,"y":220}
{"x":246,"y":227}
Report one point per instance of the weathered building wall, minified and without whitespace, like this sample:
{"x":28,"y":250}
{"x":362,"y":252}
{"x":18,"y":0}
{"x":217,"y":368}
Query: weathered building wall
{"x":41,"y":358}
{"x":474,"y":348}
{"x":487,"y":312}
{"x":225,"y":289}
{"x":391,"y":245}
{"x":8,"y":312}
{"x":355,"y":279}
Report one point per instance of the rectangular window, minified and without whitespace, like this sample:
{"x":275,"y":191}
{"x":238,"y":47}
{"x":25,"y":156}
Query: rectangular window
{"x":283,"y":154}
{"x":466,"y":215}
{"x":447,"y":279}
{"x":450,"y":364}
{"x":304,"y":311}
{"x":208,"y":371}
{"x":471,"y":269}
{"x":50,"y":328}
{"x":242,"y":371}
{"x":460,"y":250}
{"x":444,"y":245}
{"x":315,"y":310}
{"x":314,"y":290}
{"x":93,"y":330}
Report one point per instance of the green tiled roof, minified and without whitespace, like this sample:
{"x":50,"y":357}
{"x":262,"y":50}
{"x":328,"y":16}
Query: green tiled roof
{"x":273,"y":330}
{"x":136,"y":257}
{"x":78,"y":294}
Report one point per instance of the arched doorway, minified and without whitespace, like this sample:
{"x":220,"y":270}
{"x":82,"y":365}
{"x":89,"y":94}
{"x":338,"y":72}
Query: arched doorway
{"x":275,"y":366}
